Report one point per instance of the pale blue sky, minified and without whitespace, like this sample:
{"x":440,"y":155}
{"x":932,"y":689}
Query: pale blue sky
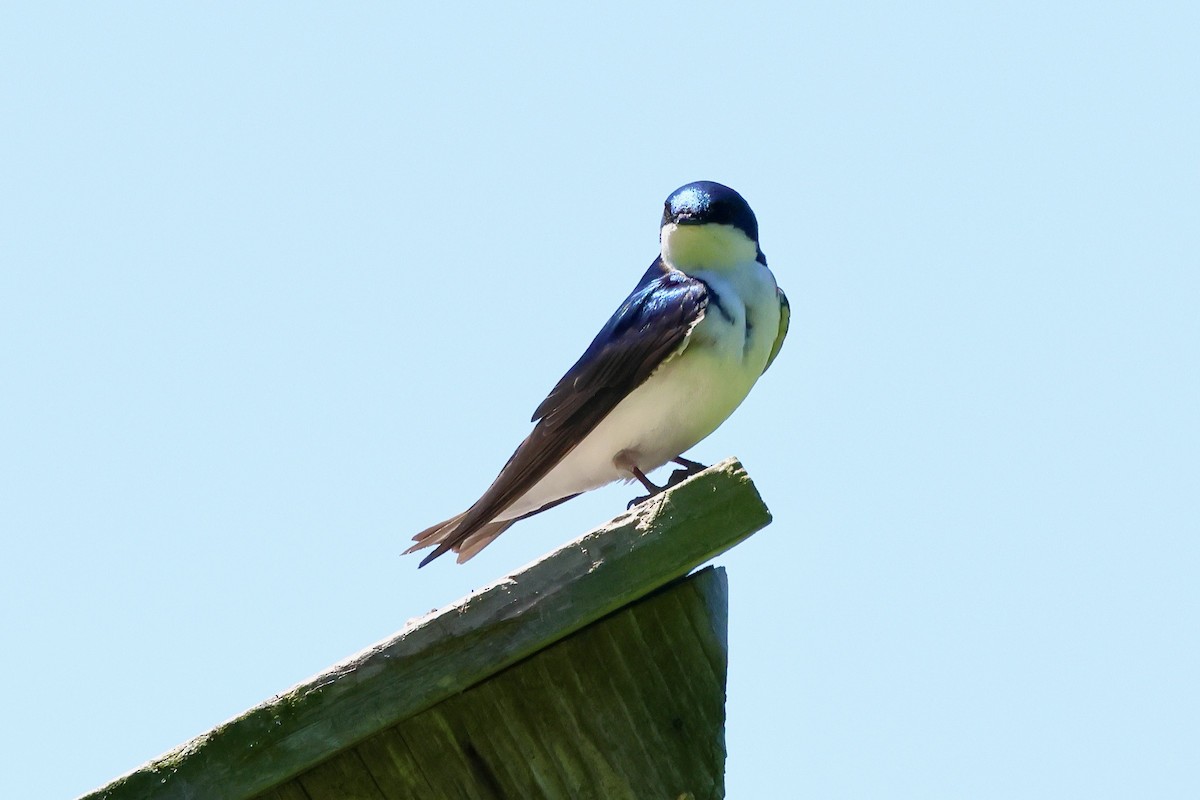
{"x":282,"y":285}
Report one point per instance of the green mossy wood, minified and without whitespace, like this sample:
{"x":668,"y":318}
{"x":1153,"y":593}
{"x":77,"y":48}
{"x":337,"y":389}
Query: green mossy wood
{"x":632,"y":706}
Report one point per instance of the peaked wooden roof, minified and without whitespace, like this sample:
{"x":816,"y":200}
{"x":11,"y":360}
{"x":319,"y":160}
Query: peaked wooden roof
{"x":529,"y":687}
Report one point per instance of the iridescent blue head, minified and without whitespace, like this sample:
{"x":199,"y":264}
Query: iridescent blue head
{"x":704,"y":202}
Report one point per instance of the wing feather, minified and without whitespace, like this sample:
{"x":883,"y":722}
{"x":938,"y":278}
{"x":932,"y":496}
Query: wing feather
{"x":650,"y":327}
{"x":785,"y":318}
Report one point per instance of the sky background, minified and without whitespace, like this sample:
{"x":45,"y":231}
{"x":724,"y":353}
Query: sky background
{"x":281,"y":284}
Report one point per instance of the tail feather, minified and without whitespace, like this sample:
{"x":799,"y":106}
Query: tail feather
{"x":449,"y":535}
{"x":445,"y":536}
{"x":468,"y":548}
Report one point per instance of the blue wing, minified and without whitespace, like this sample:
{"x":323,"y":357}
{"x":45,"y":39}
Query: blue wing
{"x":649,"y":327}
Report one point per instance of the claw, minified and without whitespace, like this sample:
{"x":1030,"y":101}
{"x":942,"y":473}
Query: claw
{"x":637,"y":501}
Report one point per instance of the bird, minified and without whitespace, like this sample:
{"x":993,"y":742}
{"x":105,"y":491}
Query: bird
{"x":676,"y":358}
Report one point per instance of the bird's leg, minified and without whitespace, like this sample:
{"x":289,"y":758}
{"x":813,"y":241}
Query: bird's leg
{"x":650,"y":487}
{"x":690,"y":468}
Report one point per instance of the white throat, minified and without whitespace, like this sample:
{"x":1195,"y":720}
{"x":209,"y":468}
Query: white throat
{"x":710,"y":246}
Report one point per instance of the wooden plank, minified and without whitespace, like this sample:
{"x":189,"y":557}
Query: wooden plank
{"x":450,"y":650}
{"x":630,"y":707}
{"x":287,"y":791}
{"x":344,"y":776}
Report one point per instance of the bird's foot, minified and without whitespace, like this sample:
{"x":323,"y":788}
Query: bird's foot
{"x":679,"y":476}
{"x":650,"y":487}
{"x":637,"y":501}
{"x":690,"y":468}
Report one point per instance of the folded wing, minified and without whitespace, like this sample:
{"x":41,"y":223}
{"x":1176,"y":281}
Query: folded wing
{"x":650,"y":327}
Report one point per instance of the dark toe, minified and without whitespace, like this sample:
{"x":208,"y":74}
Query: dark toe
{"x":635,"y":501}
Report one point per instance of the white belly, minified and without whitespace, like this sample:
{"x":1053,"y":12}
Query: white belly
{"x":682,"y":402}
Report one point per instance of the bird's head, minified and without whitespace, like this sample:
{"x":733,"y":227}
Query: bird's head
{"x":708,"y":226}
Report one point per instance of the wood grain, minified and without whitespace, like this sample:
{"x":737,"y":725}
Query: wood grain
{"x":455,"y":648}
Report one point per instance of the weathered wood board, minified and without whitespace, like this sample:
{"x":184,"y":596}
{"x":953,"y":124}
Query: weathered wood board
{"x":630,"y":707}
{"x":449,"y":651}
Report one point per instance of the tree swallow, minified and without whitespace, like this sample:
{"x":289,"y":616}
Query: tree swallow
{"x":672,"y":363}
